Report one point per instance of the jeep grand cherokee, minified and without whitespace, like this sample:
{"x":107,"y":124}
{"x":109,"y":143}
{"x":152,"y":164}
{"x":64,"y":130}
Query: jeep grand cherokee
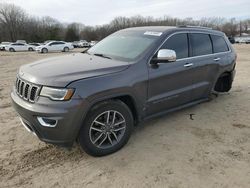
{"x":96,"y":97}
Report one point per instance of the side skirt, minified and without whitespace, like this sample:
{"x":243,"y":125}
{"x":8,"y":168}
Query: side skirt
{"x":175,"y":109}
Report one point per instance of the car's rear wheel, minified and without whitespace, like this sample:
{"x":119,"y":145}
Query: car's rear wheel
{"x":107,"y":128}
{"x":11,"y":49}
{"x":30,"y":49}
{"x":44,"y":50}
{"x":65,"y":49}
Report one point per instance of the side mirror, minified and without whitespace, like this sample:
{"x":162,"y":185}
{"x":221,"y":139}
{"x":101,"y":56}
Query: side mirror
{"x":164,"y":56}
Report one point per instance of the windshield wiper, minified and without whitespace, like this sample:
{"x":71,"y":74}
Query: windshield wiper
{"x":102,"y":55}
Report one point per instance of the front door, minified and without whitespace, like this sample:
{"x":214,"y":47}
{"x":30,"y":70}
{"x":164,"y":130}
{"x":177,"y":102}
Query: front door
{"x":170,"y":83}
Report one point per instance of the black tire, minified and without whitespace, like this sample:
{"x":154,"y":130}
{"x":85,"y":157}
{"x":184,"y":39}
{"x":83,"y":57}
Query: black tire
{"x":44,"y":50}
{"x":84,"y":136}
{"x":31,"y":49}
{"x":12,"y":50}
{"x":65,"y":49}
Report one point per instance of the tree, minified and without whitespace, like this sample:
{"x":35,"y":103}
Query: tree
{"x":72,"y":33}
{"x":12,"y":18}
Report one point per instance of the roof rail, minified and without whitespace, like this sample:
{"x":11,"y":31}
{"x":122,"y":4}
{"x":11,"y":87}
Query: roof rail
{"x":193,"y":26}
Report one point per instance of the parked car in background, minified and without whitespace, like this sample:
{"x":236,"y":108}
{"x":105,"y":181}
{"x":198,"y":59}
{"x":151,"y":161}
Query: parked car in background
{"x":55,"y":46}
{"x":135,"y":74}
{"x":248,"y":41}
{"x":35,"y":44}
{"x":47,"y":41}
{"x":3,"y":45}
{"x":76,"y":44}
{"x":231,"y":39}
{"x":84,"y":44}
{"x":92,"y":43}
{"x":21,"y":41}
{"x":15,"y":47}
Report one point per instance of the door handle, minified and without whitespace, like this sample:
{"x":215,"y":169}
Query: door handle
{"x":216,"y":59}
{"x":188,"y":65}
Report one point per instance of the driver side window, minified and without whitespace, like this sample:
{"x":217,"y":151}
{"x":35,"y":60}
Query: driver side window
{"x":178,"y":43}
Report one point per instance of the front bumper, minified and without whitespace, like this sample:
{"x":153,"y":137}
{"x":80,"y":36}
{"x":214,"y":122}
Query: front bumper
{"x":70,"y":116}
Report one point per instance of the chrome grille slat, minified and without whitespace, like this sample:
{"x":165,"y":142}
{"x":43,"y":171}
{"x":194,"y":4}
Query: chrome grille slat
{"x":26,"y":90}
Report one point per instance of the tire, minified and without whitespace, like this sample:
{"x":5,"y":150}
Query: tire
{"x":12,"y":50}
{"x":65,"y":49}
{"x":96,"y":135}
{"x":44,"y":50}
{"x":224,"y":83}
{"x":31,"y":49}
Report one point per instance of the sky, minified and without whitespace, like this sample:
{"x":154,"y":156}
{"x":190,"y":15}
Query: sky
{"x":97,"y":12}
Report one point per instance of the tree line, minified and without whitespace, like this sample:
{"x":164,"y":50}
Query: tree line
{"x":16,"y":24}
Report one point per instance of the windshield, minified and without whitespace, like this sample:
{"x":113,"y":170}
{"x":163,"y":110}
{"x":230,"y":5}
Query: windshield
{"x":123,"y":45}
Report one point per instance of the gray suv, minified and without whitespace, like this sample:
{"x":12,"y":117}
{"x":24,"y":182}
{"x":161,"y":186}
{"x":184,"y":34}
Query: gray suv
{"x":97,"y":96}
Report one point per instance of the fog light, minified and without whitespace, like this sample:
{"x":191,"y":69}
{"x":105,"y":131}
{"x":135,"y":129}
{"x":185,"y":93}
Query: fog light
{"x":47,"y":122}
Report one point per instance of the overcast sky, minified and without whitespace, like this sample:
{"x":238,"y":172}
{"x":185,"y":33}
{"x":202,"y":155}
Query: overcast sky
{"x":95,"y":12}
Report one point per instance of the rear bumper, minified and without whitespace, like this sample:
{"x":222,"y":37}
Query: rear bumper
{"x":69,"y":117}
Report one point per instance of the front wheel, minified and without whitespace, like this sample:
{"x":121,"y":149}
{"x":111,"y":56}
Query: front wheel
{"x":65,"y":49}
{"x":107,"y":128}
{"x":11,"y":49}
{"x":44,"y":50}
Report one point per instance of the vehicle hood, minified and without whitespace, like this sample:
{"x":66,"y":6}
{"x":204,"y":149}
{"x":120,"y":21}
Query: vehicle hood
{"x":60,"y":71}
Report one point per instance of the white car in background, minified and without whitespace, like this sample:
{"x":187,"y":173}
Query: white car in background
{"x":55,"y":46}
{"x":21,"y":41}
{"x":83,"y":44}
{"x":15,"y":47}
{"x":3,"y":45}
{"x":92,"y":43}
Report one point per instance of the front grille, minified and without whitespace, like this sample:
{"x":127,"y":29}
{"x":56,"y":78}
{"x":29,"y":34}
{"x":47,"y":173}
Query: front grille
{"x":27,"y":91}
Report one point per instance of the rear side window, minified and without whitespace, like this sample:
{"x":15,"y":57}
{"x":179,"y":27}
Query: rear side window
{"x":219,"y":44}
{"x":201,"y":44}
{"x":178,"y":43}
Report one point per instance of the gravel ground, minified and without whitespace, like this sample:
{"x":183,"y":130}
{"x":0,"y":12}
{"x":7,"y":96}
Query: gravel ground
{"x":211,"y":149}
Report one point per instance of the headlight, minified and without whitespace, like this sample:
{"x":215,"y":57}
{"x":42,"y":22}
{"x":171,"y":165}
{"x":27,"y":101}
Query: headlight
{"x":58,"y":94}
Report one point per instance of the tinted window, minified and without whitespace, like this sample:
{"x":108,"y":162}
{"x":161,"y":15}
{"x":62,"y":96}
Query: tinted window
{"x":60,"y":43}
{"x":178,"y":43}
{"x":201,"y":44}
{"x":219,"y":44}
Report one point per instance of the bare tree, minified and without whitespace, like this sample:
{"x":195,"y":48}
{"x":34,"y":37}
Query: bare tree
{"x":15,"y":24}
{"x":12,"y":18}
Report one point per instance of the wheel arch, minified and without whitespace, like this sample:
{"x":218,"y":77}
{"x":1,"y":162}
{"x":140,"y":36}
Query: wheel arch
{"x":224,"y":82}
{"x":127,"y":99}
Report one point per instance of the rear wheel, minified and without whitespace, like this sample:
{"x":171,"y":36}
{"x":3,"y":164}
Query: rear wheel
{"x":224,"y":83}
{"x":30,"y":49}
{"x":107,"y":128}
{"x":44,"y":50}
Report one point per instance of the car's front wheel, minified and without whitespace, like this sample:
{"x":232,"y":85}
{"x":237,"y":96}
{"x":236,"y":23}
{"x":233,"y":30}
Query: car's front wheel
{"x":44,"y":50}
{"x":65,"y":49}
{"x":11,"y":49}
{"x":107,"y":128}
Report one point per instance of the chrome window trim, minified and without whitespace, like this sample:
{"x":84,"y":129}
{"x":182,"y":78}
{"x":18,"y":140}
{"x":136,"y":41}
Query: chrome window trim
{"x":190,"y":32}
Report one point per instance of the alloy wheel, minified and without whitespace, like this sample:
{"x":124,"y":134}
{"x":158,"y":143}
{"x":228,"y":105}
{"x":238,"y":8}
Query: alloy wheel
{"x":107,"y":129}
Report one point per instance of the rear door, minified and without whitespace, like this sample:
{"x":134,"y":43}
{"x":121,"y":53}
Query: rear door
{"x":205,"y":64}
{"x":60,"y":46}
{"x":170,"y":84}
